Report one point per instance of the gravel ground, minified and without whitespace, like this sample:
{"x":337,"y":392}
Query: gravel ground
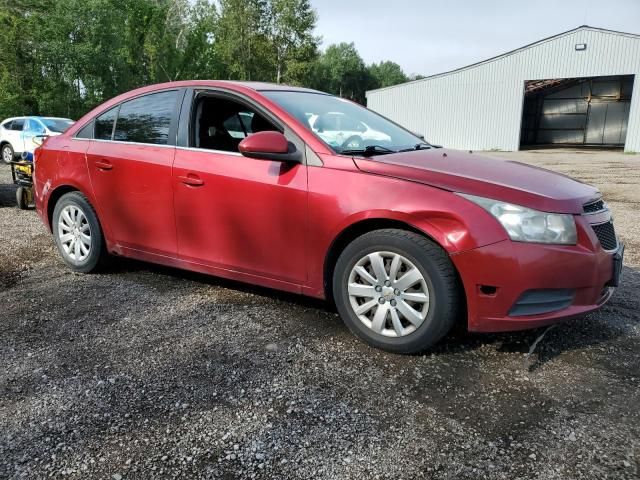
{"x":149,"y":372}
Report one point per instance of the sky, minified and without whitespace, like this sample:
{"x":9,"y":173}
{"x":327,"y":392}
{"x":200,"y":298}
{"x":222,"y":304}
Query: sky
{"x":433,"y":36}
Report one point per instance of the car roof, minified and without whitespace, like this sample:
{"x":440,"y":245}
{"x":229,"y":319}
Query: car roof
{"x":230,"y":84}
{"x":10,"y":119}
{"x":52,"y":118}
{"x":266,"y":86}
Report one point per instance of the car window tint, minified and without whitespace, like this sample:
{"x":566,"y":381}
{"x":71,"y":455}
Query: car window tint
{"x":57,"y":125}
{"x":146,"y":119}
{"x":335,"y":120}
{"x":104,"y":124}
{"x":329,"y":122}
{"x":222,"y":123}
{"x":36,"y":127}
{"x":7,"y":125}
{"x":86,"y":131}
{"x":17,"y":125}
{"x":239,"y":124}
{"x":348,"y":123}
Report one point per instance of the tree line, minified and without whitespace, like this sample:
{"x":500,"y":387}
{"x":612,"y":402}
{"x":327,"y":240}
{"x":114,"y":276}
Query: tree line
{"x":63,"y":57}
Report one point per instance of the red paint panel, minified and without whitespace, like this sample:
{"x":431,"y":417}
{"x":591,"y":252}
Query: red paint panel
{"x":264,"y":142}
{"x":486,"y":177}
{"x":132,"y":186}
{"x":515,"y":267}
{"x":249,"y":215}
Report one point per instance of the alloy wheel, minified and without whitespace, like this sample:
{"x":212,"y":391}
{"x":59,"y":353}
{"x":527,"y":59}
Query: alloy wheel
{"x":388,"y":293}
{"x":75,"y":233}
{"x":7,"y":154}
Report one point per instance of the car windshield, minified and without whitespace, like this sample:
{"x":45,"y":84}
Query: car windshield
{"x":58,"y":125}
{"x":345,"y":126}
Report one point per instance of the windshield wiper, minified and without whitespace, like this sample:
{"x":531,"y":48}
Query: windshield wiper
{"x":369,"y":151}
{"x":417,"y":146}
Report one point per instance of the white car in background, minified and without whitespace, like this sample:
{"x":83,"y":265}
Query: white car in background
{"x":340,"y":130}
{"x":16,"y":134}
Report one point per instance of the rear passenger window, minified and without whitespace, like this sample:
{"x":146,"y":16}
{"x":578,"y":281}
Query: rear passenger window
{"x":146,"y":119}
{"x":104,"y":124}
{"x":17,"y":125}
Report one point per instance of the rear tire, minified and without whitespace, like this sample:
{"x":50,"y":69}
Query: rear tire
{"x":22,"y":198}
{"x":78,"y":234}
{"x":7,"y":153}
{"x":397,"y":313}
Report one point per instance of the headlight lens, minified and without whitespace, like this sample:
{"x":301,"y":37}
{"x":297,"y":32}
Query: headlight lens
{"x":527,"y":225}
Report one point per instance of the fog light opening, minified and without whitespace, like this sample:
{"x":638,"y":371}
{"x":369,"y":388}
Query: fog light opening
{"x":488,"y":290}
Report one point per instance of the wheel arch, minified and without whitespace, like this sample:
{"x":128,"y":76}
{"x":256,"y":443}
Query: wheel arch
{"x":55,"y":195}
{"x":67,"y":187}
{"x":7,"y":142}
{"x":355,"y":230}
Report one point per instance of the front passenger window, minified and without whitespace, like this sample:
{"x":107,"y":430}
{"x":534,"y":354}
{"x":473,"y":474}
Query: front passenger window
{"x":238,"y":128}
{"x":221,"y":124}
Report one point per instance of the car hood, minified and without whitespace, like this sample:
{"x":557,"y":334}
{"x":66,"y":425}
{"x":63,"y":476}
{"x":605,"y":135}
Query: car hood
{"x":504,"y":180}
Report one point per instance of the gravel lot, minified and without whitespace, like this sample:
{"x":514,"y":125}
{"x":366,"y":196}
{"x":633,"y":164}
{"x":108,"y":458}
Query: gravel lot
{"x":149,"y":372}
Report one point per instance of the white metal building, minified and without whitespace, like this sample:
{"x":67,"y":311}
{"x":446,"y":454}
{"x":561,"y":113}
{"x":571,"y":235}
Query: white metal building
{"x":581,"y":87}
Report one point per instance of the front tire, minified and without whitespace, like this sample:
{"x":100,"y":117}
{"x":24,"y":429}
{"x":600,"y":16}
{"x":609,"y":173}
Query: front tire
{"x":77,"y":233}
{"x":7,"y":153}
{"x":397,"y":290}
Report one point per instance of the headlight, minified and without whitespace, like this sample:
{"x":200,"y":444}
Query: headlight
{"x":527,"y":225}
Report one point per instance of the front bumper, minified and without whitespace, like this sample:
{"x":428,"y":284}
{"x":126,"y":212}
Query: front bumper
{"x":497,"y":276}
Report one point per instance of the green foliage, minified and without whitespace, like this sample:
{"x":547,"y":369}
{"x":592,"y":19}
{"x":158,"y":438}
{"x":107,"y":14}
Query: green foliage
{"x":241,"y":39}
{"x":291,"y":24}
{"x":63,"y":57}
{"x":341,"y":71}
{"x":386,"y":74}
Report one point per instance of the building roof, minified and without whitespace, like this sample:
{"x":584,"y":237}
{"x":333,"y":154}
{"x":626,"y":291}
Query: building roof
{"x":511,"y":52}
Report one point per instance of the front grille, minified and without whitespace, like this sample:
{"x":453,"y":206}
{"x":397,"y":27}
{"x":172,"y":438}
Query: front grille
{"x":593,"y":206}
{"x":606,"y":235}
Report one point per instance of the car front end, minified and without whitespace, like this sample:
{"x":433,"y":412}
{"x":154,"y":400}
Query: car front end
{"x":526,"y":283}
{"x":531,"y":247}
{"x":558,"y":256}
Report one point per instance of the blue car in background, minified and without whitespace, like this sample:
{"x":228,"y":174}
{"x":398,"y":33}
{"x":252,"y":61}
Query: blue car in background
{"x":17,"y":134}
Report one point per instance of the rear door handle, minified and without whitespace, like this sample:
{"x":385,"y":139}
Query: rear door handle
{"x":103,"y":164}
{"x":191,"y":179}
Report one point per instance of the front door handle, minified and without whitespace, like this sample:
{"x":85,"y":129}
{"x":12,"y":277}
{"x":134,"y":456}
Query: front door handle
{"x":191,"y":179}
{"x":103,"y":164}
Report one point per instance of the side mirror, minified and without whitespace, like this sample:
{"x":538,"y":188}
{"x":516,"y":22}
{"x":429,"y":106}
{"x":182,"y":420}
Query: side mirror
{"x":39,"y":139}
{"x":269,"y":145}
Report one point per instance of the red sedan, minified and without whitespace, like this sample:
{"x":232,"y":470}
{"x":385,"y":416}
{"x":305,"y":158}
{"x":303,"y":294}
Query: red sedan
{"x":301,"y":191}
